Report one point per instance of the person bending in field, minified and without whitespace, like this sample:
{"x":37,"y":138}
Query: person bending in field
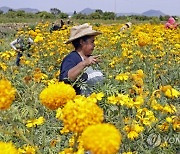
{"x":171,"y":23}
{"x":20,"y":45}
{"x":55,"y":27}
{"x":77,"y":65}
{"x":125,"y":26}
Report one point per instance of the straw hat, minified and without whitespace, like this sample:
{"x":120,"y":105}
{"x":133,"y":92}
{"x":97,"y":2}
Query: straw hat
{"x":128,"y":24}
{"x":80,"y":31}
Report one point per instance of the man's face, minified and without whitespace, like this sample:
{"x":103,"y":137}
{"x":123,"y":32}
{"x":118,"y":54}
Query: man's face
{"x":88,"y":46}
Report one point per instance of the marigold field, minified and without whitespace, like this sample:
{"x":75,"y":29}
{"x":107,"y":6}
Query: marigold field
{"x":135,"y":110}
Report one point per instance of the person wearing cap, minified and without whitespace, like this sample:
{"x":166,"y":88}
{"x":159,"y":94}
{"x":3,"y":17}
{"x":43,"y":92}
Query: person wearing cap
{"x":125,"y":26}
{"x":77,"y":65}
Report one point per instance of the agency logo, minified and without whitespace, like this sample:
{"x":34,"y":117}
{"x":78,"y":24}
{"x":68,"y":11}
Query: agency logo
{"x":154,"y":140}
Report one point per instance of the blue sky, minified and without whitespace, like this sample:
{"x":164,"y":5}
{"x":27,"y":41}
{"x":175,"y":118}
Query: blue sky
{"x":170,"y":7}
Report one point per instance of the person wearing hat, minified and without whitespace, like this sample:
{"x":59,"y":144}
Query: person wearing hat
{"x":125,"y":26}
{"x":77,"y":65}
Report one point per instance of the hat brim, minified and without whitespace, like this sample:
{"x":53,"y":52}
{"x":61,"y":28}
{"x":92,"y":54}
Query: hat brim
{"x":92,"y":33}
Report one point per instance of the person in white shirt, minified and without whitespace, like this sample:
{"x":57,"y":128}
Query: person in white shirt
{"x":20,"y":45}
{"x":126,"y":26}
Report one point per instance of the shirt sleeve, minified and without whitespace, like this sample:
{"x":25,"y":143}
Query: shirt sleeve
{"x":30,"y":40}
{"x":13,"y":43}
{"x":67,"y":64}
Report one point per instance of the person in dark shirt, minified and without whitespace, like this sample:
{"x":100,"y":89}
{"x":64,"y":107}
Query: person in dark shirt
{"x":55,"y":27}
{"x":77,"y":65}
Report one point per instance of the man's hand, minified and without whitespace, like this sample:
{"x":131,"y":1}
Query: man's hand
{"x":92,"y":60}
{"x":18,"y":50}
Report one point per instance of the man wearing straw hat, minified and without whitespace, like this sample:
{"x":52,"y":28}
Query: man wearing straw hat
{"x":77,"y":65}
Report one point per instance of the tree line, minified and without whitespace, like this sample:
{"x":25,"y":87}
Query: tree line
{"x":98,"y":14}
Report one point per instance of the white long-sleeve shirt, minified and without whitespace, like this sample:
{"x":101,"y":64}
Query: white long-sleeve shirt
{"x":19,"y":43}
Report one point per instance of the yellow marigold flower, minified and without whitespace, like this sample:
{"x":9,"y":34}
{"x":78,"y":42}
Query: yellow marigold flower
{"x":132,"y":135}
{"x":139,"y":100}
{"x":169,"y":108}
{"x":35,"y":122}
{"x":127,"y":120}
{"x":143,"y":39}
{"x":64,"y":130}
{"x":27,"y":150}
{"x":176,"y":123}
{"x":38,"y":38}
{"x":38,"y":76}
{"x":125,"y":100}
{"x":113,"y":99}
{"x":133,"y":130}
{"x":138,"y":90}
{"x":122,"y":76}
{"x":54,"y":142}
{"x":80,"y":113}
{"x":66,"y":151}
{"x":169,"y":91}
{"x":175,"y":93}
{"x":56,"y":95}
{"x":7,"y":94}
{"x":164,"y":127}
{"x":138,"y":82}
{"x":101,"y":139}
{"x":59,"y":113}
{"x":7,"y":148}
{"x":177,"y":46}
{"x":140,"y":73}
{"x":3,"y":66}
{"x":169,"y":119}
{"x":97,"y":96}
{"x":156,"y":106}
{"x":127,"y":152}
{"x":146,"y":116}
{"x":80,"y":151}
{"x":164,"y":144}
{"x":165,"y":88}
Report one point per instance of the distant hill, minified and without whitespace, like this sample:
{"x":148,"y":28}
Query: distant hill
{"x":148,"y":13}
{"x":28,"y":10}
{"x":87,"y":11}
{"x":5,"y":9}
{"x":153,"y":13}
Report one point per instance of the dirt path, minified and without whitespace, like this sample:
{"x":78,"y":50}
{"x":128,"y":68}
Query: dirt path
{"x":10,"y":28}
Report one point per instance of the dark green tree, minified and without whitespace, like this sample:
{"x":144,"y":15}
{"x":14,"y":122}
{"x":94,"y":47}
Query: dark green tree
{"x":55,"y":11}
{"x":45,"y":15}
{"x":109,"y":15}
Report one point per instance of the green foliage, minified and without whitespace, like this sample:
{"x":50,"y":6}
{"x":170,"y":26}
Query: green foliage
{"x":95,"y":15}
{"x":108,"y":15}
{"x":55,"y":11}
{"x":45,"y":15}
{"x":63,"y":15}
